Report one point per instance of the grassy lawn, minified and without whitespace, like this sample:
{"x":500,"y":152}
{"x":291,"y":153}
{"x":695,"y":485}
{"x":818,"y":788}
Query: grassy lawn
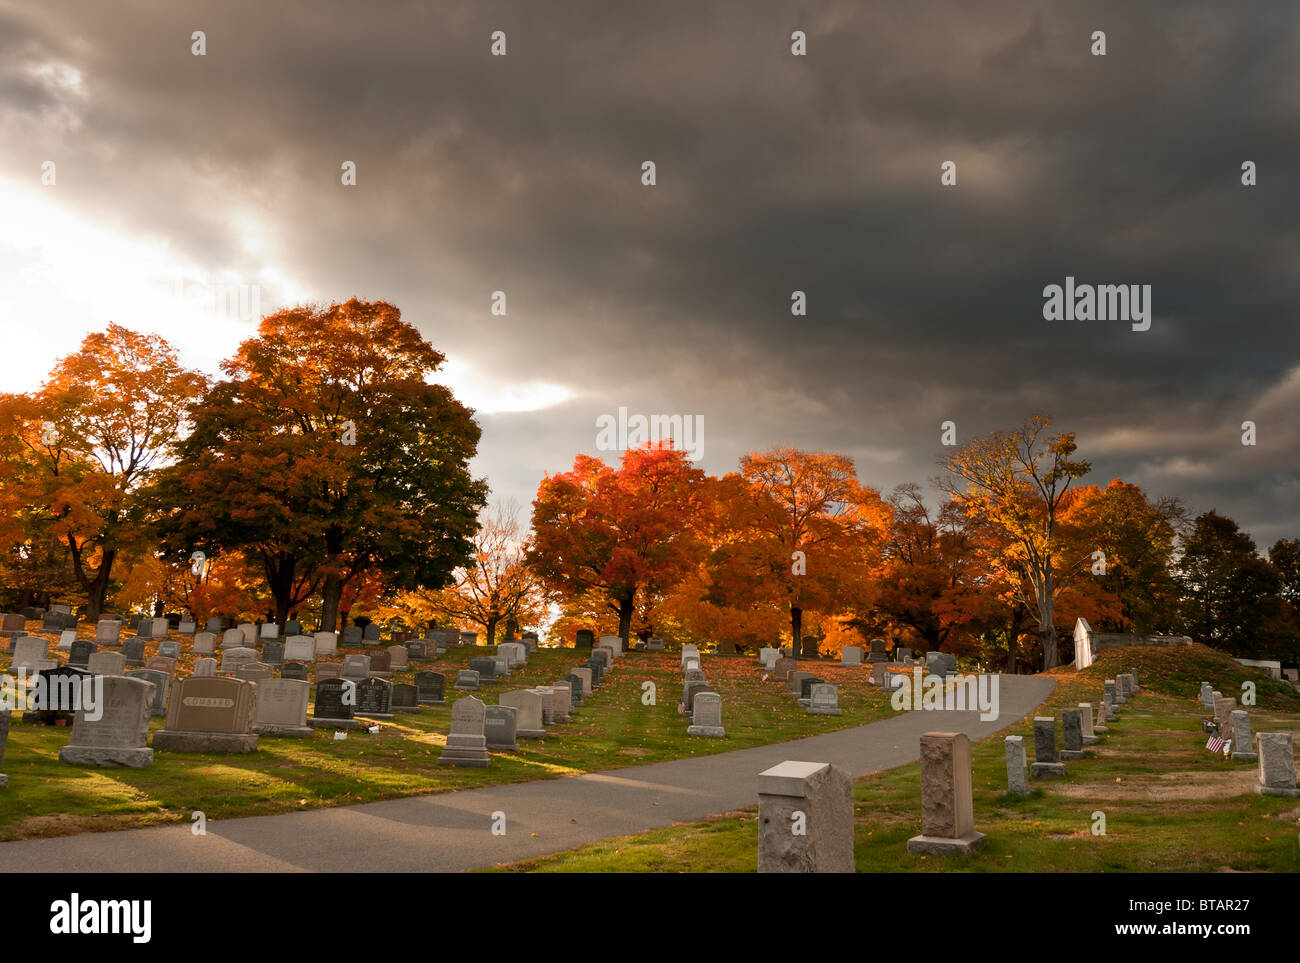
{"x":1169,"y":805}
{"x":613,"y":729}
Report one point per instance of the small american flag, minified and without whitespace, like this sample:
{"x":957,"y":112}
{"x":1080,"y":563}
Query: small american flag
{"x":1215,"y":744}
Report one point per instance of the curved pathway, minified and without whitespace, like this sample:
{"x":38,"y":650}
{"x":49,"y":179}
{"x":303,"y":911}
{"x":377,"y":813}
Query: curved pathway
{"x":448,"y":832}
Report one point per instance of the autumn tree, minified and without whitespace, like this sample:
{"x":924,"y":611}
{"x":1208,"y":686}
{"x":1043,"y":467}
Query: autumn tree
{"x":805,"y":534}
{"x":87,"y":443}
{"x":329,"y":453}
{"x":1017,"y":481}
{"x":623,"y":532}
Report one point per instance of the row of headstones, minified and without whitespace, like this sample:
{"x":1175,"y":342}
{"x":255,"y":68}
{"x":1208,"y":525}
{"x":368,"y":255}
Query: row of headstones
{"x":1276,"y":750}
{"x":817,"y":696}
{"x":1078,"y":731}
{"x":701,"y":704}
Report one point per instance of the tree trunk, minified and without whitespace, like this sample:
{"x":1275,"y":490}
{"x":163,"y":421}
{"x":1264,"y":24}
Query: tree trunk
{"x":512,"y":627}
{"x":331,"y":596}
{"x":491,"y":629}
{"x":796,"y":628}
{"x":1049,"y":644}
{"x":625,"y":616}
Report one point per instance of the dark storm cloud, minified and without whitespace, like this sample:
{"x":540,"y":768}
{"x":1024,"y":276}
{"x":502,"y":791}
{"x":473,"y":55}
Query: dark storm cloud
{"x":775,"y":173}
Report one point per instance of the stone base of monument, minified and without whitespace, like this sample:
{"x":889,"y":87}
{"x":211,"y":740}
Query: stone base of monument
{"x":939,"y":846}
{"x":804,"y":703}
{"x":711,"y":732}
{"x":513,"y":747}
{"x":181,"y":740}
{"x":433,"y":702}
{"x":475,"y":755}
{"x":466,"y":688}
{"x":333,"y":723}
{"x":1039,"y":770}
{"x":1102,"y":729}
{"x":1091,"y":740}
{"x":294,"y":732}
{"x":1072,"y":755}
{"x":814,"y":711}
{"x":407,"y":709}
{"x":530,"y":733}
{"x":1276,"y":791}
{"x":1246,"y":756}
{"x":375,"y":715}
{"x":101,"y":756}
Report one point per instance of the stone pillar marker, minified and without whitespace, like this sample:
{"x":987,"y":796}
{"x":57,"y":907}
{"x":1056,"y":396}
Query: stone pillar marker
{"x":1112,"y":702}
{"x":1123,"y":687}
{"x":1089,"y":736}
{"x":1276,"y":764}
{"x":1223,"y":709}
{"x":815,"y":797}
{"x":1207,"y":696}
{"x":1017,"y":773}
{"x":1242,"y":747}
{"x":1101,"y":719}
{"x":1133,"y":679}
{"x":1046,"y":760}
{"x":1072,"y":729}
{"x":947,"y":810}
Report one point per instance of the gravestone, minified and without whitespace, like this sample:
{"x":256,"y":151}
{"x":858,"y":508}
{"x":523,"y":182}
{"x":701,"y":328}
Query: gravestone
{"x":795,"y":682}
{"x":1112,"y":707}
{"x":1046,"y":758}
{"x":329,"y":670}
{"x":160,"y":627}
{"x":810,"y":647}
{"x":335,"y":704}
{"x":528,"y":713}
{"x":352,"y":636}
{"x":824,"y":700}
{"x":1223,"y":709}
{"x":903,"y":654}
{"x":254,"y":672}
{"x":878,"y":653}
{"x":467,"y":679}
{"x":295,"y":670}
{"x":381,"y":663}
{"x":689,"y":651}
{"x":575,"y":689}
{"x":106,"y":663}
{"x":205,"y":643}
{"x":431,"y":688}
{"x":108,"y":633}
{"x":768,"y":656}
{"x":232,"y":659}
{"x":169,"y":650}
{"x":292,"y":627}
{"x":302,"y":648}
{"x":947,"y":810}
{"x":398,"y":658}
{"x":597,"y":667}
{"x":205,"y":667}
{"x":406,"y":698}
{"x":529,"y":640}
{"x":655,"y":644}
{"x":1276,"y":764}
{"x":690,"y":690}
{"x":516,"y":653}
{"x":805,"y":689}
{"x":161,"y":683}
{"x":375,"y":698}
{"x":548,"y":704}
{"x":468,"y":639}
{"x":13,"y":625}
{"x":81,"y":652}
{"x":214,"y":625}
{"x":486,"y":668}
{"x":823,"y":794}
{"x":1133,"y":679}
{"x":782,"y":668}
{"x":1089,"y":736}
{"x":586,"y":639}
{"x":417,"y":650}
{"x":133,"y":622}
{"x":466,"y":742}
{"x":563,"y":700}
{"x":370,"y":634}
{"x":499,"y":728}
{"x":162,"y":663}
{"x":248,"y":634}
{"x":355,"y":668}
{"x":1241,"y":741}
{"x":1017,"y":777}
{"x":120,"y":734}
{"x":282,"y":708}
{"x":583,"y":673}
{"x":1121,"y":689}
{"x":850,"y":655}
{"x":232,"y":639}
{"x":133,"y":651}
{"x":327,"y":643}
{"x":209,"y":715}
{"x":28,"y":652}
{"x":1100,"y":726}
{"x":614,"y":643}
{"x":1207,"y":696}
{"x":1072,"y":730}
{"x":706,"y":716}
{"x":67,"y":637}
{"x":186,"y":627}
{"x":57,"y":695}
{"x":273,"y":653}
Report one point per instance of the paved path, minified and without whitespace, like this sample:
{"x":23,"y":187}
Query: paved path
{"x":450,"y":831}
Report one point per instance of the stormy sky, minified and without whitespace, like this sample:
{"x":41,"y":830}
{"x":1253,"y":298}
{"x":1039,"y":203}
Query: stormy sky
{"x":775,"y":173}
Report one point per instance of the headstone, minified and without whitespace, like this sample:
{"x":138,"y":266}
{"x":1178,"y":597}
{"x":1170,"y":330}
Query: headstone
{"x":370,"y":634}
{"x":161,"y":663}
{"x":903,"y":654}
{"x":355,"y":668}
{"x":375,"y":698}
{"x":13,"y":625}
{"x":1112,"y":707}
{"x":381,"y":663}
{"x":795,"y":682}
{"x":563,"y":701}
{"x":466,"y":742}
{"x":584,"y":674}
{"x":805,"y":689}
{"x":186,"y":627}
{"x":352,"y":636}
{"x":586,"y":639}
{"x":205,"y":643}
{"x":273,"y":652}
{"x":1046,"y":757}
{"x":406,"y":698}
{"x":397,"y":658}
{"x":232,"y":639}
{"x":1276,"y":764}
{"x":947,"y":810}
{"x":614,"y":643}
{"x":169,"y":650}
{"x":254,"y":672}
{"x":486,"y":668}
{"x":1089,"y":736}
{"x":824,"y":700}
{"x":120,"y":734}
{"x":81,"y":652}
{"x":528,"y":713}
{"x":467,"y":679}
{"x":1017,"y":777}
{"x":810,"y":647}
{"x":655,"y":644}
{"x":468,"y":639}
{"x":1072,"y":730}
{"x":209,"y":715}
{"x":232,"y":659}
{"x":133,"y":622}
{"x":1223,"y":709}
{"x":302,"y":648}
{"x":66,"y":638}
{"x":295,"y":670}
{"x":516,"y":653}
{"x":106,"y":663}
{"x":292,"y":627}
{"x":689,"y":652}
{"x":823,"y":794}
{"x":1100,"y":725}
{"x":1207,"y":695}
{"x":499,"y":728}
{"x":1122,"y":693}
{"x":1133,"y":679}
{"x":133,"y":651}
{"x":690,"y":689}
{"x":439,"y":640}
{"x":336,"y":701}
{"x":205,"y":667}
{"x":706,"y":717}
{"x":282,"y":708}
{"x":768,"y":656}
{"x":160,"y":627}
{"x":548,"y":704}
{"x":329,"y":670}
{"x":417,"y":650}
{"x":214,"y":625}
{"x":30,"y":650}
{"x":248,"y":634}
{"x":327,"y":643}
{"x":108,"y":633}
{"x":161,"y":683}
{"x":1242,"y":745}
{"x":782,"y":668}
{"x":851,"y":655}
{"x":431,"y":688}
{"x":575,"y":689}
{"x":878,"y":653}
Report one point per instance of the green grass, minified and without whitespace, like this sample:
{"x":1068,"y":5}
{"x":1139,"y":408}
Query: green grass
{"x":612,"y":730}
{"x":1169,"y":805}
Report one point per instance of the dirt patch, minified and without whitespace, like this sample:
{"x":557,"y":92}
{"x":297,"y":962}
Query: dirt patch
{"x":1169,"y":785}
